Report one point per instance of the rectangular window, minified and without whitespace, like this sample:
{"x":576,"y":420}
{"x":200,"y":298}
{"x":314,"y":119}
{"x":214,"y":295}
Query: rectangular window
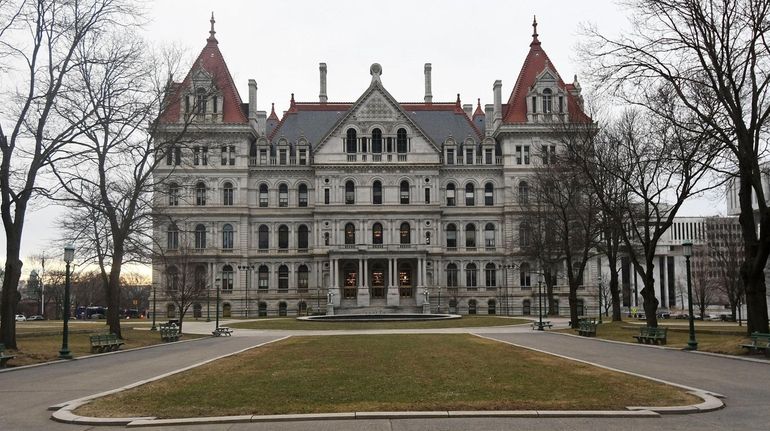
{"x":451,"y":277}
{"x":488,"y":156}
{"x":262,"y":156}
{"x":303,"y":157}
{"x":526,"y":154}
{"x":427,"y":195}
{"x":196,"y":155}
{"x":282,"y":156}
{"x":215,"y":104}
{"x":534,"y":105}
{"x":491,"y":277}
{"x":224,"y":155}
{"x":177,"y":156}
{"x":326,"y":196}
{"x":450,"y":156}
{"x":549,"y":154}
{"x":204,"y":156}
{"x":561,"y":104}
{"x":363,"y":145}
{"x":450,"y":197}
{"x":232,"y":155}
{"x":468,"y":156}
{"x":173,"y":239}
{"x":518,"y":155}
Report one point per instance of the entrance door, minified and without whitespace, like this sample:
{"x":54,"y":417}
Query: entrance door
{"x":378,"y":281}
{"x":405,"y":273}
{"x":349,"y":289}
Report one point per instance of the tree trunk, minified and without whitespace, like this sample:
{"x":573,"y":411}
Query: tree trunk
{"x":113,"y":295}
{"x":649,"y":301}
{"x":573,"y":316}
{"x":10,"y":296}
{"x":756,"y":306}
{"x":615,"y":293}
{"x":549,"y":298}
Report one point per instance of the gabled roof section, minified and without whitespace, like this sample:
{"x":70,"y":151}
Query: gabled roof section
{"x":213,"y":63}
{"x":309,"y":120}
{"x":441,"y":120}
{"x":534,"y":64}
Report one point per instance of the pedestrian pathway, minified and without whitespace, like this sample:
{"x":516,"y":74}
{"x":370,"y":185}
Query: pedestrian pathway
{"x":26,"y":394}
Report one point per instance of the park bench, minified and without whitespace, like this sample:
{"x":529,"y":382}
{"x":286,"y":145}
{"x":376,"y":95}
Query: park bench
{"x":649,"y":335}
{"x":222,"y":331}
{"x":587,"y":327}
{"x":546,"y":324}
{"x":169,"y":332}
{"x":759,"y":342}
{"x":3,"y":357}
{"x":105,"y":343}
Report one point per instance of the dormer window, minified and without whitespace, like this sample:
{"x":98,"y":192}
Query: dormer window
{"x":200,"y":101}
{"x":547,"y":101}
{"x":401,"y":141}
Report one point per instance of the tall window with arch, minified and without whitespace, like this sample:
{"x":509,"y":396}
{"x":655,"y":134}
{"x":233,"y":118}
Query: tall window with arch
{"x":377,"y":233}
{"x":405,"y":233}
{"x":227,"y":279}
{"x":471,"y":277}
{"x":470,"y":236}
{"x":302,"y":195}
{"x":523,"y":193}
{"x":173,"y":194}
{"x":263,"y":277}
{"x":227,"y":236}
{"x":451,"y":275}
{"x":227,"y":193}
{"x":451,"y":236}
{"x":350,"y":192}
{"x":450,"y":195}
{"x":263,"y":241}
{"x":283,"y":237}
{"x":489,"y":194}
{"x":302,"y":278}
{"x":200,"y":236}
{"x":404,"y":192}
{"x":377,"y":193}
{"x":172,"y":237}
{"x":401,"y":141}
{"x":350,"y":234}
{"x":283,"y":195}
{"x":489,"y":236}
{"x":351,"y":141}
{"x":490,"y":275}
{"x":283,"y":278}
{"x":200,"y":193}
{"x":525,"y":280}
{"x":303,"y":237}
{"x":524,"y":235}
{"x":547,"y":101}
{"x":377,"y":141}
{"x":263,"y":196}
{"x":172,"y":279}
{"x":200,"y":101}
{"x":470,"y":195}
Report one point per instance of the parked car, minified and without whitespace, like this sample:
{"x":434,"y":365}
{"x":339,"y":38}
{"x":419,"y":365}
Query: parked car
{"x":36,"y":317}
{"x":20,"y":318}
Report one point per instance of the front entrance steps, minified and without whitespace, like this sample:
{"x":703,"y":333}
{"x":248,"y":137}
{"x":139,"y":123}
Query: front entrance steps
{"x":386,"y":309}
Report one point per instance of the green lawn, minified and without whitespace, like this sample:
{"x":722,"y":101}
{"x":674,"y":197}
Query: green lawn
{"x":711,"y":337}
{"x":384,"y":373}
{"x":294,"y":324}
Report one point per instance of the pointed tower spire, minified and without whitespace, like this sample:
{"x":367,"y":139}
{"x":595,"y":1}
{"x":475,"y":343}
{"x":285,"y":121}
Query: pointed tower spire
{"x":273,"y":116}
{"x":478,"y":109}
{"x":212,"y":32}
{"x":535,"y":40}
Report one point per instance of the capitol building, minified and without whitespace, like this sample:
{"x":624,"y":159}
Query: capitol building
{"x":373,"y":205}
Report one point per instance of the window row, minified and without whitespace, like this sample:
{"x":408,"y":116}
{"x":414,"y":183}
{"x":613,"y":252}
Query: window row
{"x":200,"y":155}
{"x":469,"y":156}
{"x":470,"y":194}
{"x":199,"y":281}
{"x":376,"y":143}
{"x":471,"y":275}
{"x":200,"y":194}
{"x":470,"y":236}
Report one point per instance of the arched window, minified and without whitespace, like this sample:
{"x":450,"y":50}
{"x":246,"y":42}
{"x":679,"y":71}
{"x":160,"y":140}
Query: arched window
{"x":491,"y":306}
{"x":283,"y":195}
{"x":523,"y":193}
{"x":377,"y":141}
{"x":547,"y":102}
{"x":172,"y":279}
{"x":489,"y":236}
{"x":401,"y":141}
{"x":524,"y":275}
{"x":377,"y":233}
{"x":472,"y":306}
{"x":470,"y":236}
{"x":450,"y":195}
{"x":200,"y":236}
{"x":489,"y":194}
{"x":302,"y":237}
{"x":227,"y":236}
{"x":524,"y":235}
{"x":451,"y":275}
{"x":526,"y":307}
{"x":200,"y":101}
{"x":490,"y":273}
{"x":200,"y":193}
{"x":227,"y":310}
{"x":470,"y":195}
{"x":283,"y":237}
{"x":471,"y":278}
{"x":227,"y":278}
{"x":227,"y":193}
{"x":404,"y":192}
{"x":262,"y":309}
{"x":264,"y":237}
{"x":405,"y":233}
{"x":302,"y":308}
{"x":283,"y":278}
{"x":263,"y":196}
{"x":451,"y":236}
{"x":350,"y":145}
{"x":302,"y":278}
{"x":173,"y":194}
{"x":350,"y":234}
{"x":377,"y":193}
{"x":302,"y":195}
{"x":282,"y":309}
{"x":172,"y":237}
{"x":263,"y":277}
{"x":350,"y":193}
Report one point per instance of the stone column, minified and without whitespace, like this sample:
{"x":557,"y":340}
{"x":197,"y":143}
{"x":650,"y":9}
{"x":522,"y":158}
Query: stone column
{"x":362,"y":298}
{"x":393,"y":296}
{"x":334,"y":288}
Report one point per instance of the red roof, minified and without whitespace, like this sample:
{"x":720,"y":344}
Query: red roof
{"x":210,"y":60}
{"x":478,"y":110}
{"x":536,"y":62}
{"x":273,"y":116}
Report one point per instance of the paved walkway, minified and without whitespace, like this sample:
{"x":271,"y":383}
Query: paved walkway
{"x":26,"y":394}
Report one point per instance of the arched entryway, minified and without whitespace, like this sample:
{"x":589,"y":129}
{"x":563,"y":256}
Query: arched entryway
{"x":378,"y":280}
{"x":349,"y":280}
{"x":405,"y":279}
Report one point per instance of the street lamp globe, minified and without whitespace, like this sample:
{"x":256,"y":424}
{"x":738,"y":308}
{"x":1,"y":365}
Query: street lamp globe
{"x":687,"y":248}
{"x":69,"y":253}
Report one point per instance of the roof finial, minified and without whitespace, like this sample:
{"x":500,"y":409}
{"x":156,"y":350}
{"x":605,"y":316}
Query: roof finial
{"x":535,"y":41}
{"x":212,"y":32}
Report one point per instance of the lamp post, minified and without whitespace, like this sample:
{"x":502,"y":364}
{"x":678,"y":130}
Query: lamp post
{"x":438,"y":308}
{"x":248,"y":269}
{"x":317,"y":299}
{"x":217,"y":310}
{"x":687,"y":251}
{"x":208,"y":303}
{"x":540,"y":302}
{"x":599,"y":279}
{"x":154,"y":302}
{"x":505,"y":269}
{"x":69,"y":255}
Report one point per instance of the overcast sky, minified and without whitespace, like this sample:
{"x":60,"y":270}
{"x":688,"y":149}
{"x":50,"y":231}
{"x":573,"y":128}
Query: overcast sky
{"x":280,"y":43}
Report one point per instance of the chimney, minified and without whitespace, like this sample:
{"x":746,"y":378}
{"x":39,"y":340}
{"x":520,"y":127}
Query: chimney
{"x":252,"y":100}
{"x":498,"y":112}
{"x":489,"y":112}
{"x":428,"y":95}
{"x":322,"y":95}
{"x":468,"y":108}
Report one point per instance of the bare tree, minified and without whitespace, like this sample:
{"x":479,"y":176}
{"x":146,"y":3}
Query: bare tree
{"x":39,"y":42}
{"x":704,"y":292}
{"x":724,"y":257}
{"x":715,"y":58}
{"x":184,"y":276}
